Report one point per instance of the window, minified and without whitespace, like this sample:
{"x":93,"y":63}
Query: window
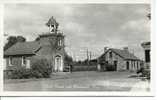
{"x":28,"y":64}
{"x":60,"y":42}
{"x":10,"y":61}
{"x":52,"y":28}
{"x":110,"y":54}
{"x":147,"y":55}
{"x":23,"y":60}
{"x":52,"y":25}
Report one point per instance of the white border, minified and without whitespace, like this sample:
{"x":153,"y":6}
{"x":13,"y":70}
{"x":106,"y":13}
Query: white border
{"x":77,"y":1}
{"x":80,"y":93}
{"x":1,"y":47}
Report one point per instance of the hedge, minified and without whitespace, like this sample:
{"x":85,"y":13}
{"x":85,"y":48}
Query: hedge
{"x":39,"y":69}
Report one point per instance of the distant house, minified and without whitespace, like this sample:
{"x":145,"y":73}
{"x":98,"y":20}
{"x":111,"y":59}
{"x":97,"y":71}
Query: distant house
{"x":146,"y":47}
{"x":49,"y":45}
{"x":120,"y":59}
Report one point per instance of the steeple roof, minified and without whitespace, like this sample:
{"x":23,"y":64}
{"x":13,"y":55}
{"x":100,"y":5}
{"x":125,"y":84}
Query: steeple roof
{"x":52,"y":21}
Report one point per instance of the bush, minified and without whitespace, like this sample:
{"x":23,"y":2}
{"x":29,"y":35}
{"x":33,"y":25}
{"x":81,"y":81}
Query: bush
{"x":21,"y":74}
{"x":36,"y":74}
{"x":42,"y":68}
{"x":66,"y":69}
{"x":145,"y":72}
{"x":39,"y":69}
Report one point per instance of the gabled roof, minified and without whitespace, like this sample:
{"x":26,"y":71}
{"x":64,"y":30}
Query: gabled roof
{"x":122,"y":53}
{"x":22,"y":48}
{"x":52,"y":21}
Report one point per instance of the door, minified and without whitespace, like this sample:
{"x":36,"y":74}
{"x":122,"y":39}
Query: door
{"x":115,"y":65}
{"x":127,"y":65}
{"x":58,"y":63}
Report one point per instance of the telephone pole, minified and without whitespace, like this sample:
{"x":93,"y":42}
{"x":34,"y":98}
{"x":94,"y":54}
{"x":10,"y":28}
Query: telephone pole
{"x":90,"y":56}
{"x":87,"y":57}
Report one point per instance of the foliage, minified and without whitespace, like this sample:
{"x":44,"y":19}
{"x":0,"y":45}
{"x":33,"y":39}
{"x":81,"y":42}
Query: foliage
{"x":20,"y":74}
{"x":20,"y":39}
{"x":145,"y":72}
{"x":42,"y":66}
{"x":54,"y":43}
{"x":66,"y":69}
{"x":37,"y":39}
{"x":84,"y":68}
{"x":23,"y":73}
{"x":68,"y":59}
{"x":39,"y":69}
{"x":86,"y":62}
{"x":12,"y":40}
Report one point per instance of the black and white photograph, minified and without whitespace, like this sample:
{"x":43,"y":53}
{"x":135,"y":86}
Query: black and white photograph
{"x":57,"y":47}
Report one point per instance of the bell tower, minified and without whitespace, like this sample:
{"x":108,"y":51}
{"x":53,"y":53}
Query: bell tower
{"x":52,"y":44}
{"x":53,"y":25}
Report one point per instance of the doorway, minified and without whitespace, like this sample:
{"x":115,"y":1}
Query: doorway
{"x":58,"y":63}
{"x":127,"y":65}
{"x":115,"y":65}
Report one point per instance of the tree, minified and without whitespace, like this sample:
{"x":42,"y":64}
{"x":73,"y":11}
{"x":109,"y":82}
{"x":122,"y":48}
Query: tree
{"x":20,"y":39}
{"x":12,"y":40}
{"x":68,"y":59}
{"x":37,"y":39}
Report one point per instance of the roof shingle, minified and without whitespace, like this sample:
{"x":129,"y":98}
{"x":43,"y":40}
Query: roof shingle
{"x":22,"y":48}
{"x":123,"y":53}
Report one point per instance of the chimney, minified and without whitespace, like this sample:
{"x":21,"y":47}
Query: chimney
{"x":126,"y":48}
{"x":105,"y":48}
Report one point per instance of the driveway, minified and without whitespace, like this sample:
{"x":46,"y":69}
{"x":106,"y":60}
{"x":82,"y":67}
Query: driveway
{"x":77,"y":81}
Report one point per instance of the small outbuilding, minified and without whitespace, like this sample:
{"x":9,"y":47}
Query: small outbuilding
{"x":119,"y":59}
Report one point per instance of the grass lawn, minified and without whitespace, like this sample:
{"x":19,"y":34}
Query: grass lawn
{"x":76,"y":81}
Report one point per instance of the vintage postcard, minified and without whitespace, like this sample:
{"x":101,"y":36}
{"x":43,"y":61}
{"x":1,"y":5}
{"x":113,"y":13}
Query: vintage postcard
{"x":76,"y":49}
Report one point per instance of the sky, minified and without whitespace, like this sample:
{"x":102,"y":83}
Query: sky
{"x":85,"y":26}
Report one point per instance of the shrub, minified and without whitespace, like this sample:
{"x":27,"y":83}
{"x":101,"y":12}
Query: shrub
{"x":145,"y":72}
{"x":36,"y":74}
{"x":21,"y":74}
{"x":66,"y":69}
{"x":42,"y":68}
{"x":39,"y":69}
{"x":84,"y":68}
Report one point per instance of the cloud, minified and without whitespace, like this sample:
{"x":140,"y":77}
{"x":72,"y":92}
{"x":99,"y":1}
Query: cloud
{"x":91,"y":26}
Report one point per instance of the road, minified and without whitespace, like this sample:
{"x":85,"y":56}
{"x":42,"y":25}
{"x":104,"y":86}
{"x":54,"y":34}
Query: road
{"x":78,"y":81}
